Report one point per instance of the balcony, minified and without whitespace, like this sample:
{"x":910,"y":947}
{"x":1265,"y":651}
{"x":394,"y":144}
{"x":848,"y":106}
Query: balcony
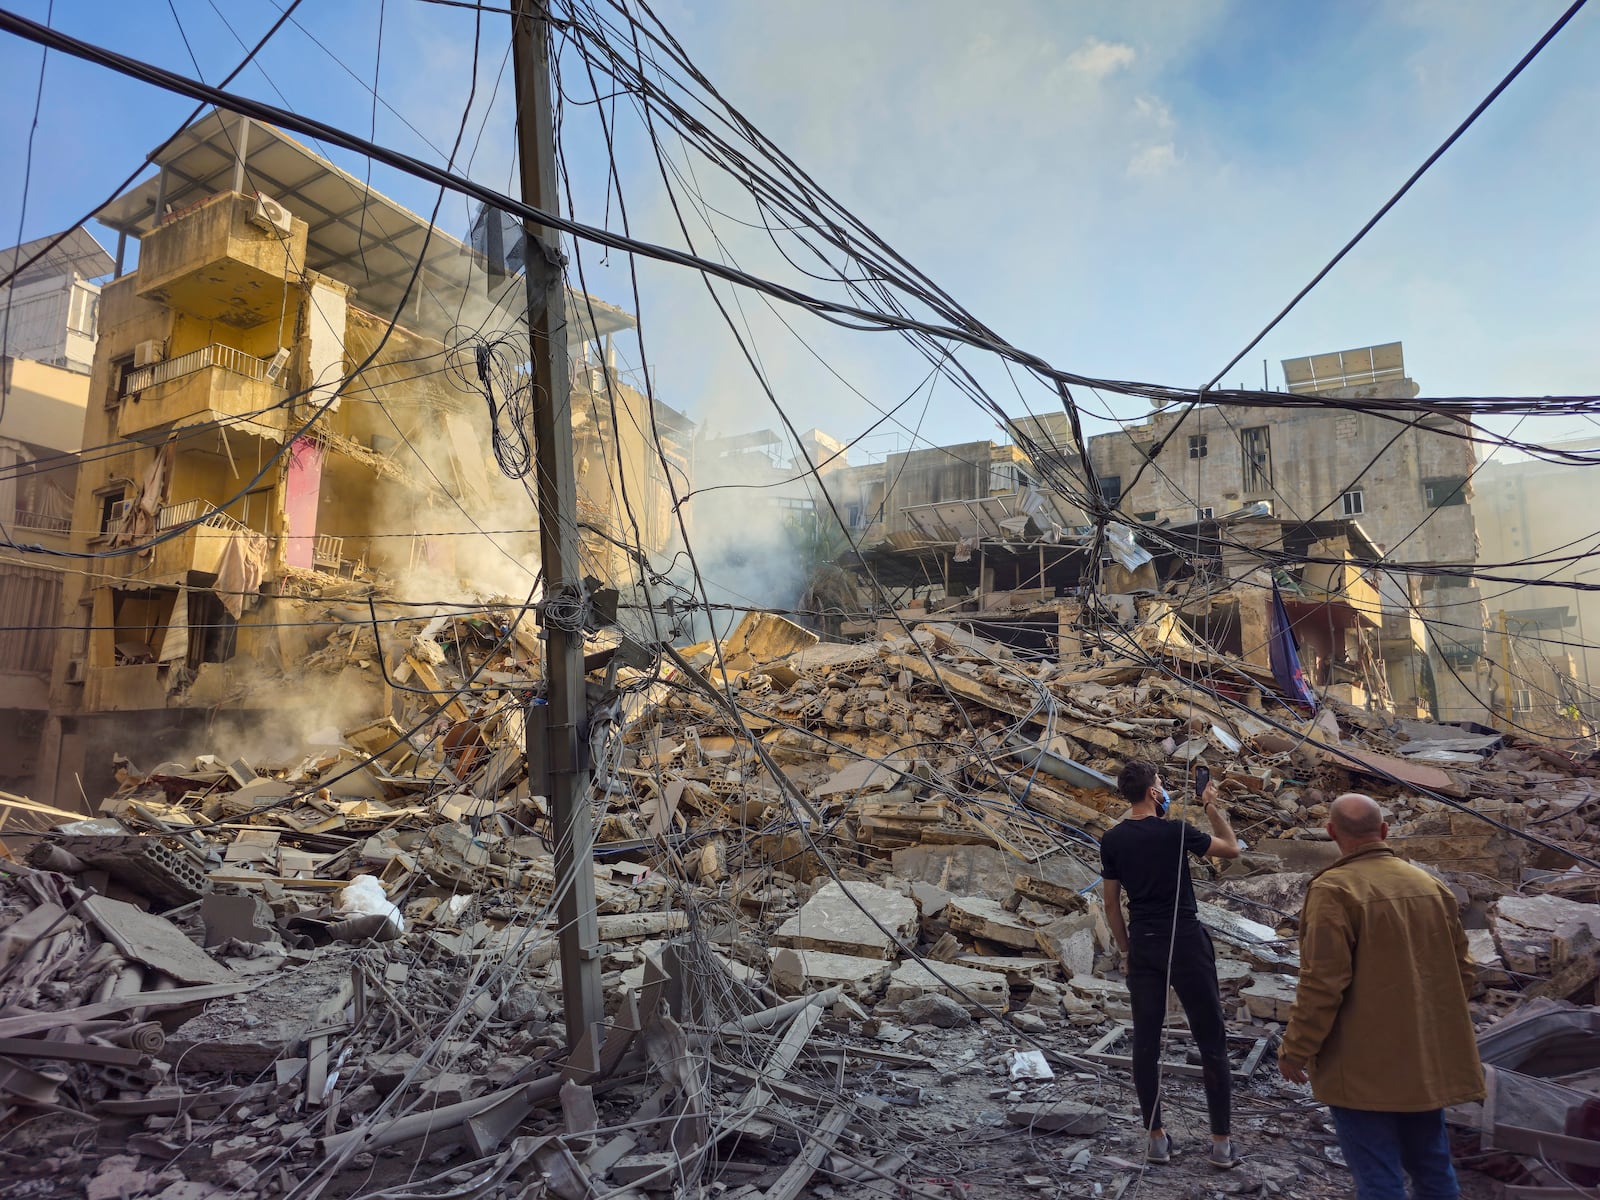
{"x":207,"y":530}
{"x":213,"y":262}
{"x":213,"y":383}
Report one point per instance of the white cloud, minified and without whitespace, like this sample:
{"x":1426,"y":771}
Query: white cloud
{"x":1153,"y":161}
{"x":1098,"y":59}
{"x":1154,"y":110}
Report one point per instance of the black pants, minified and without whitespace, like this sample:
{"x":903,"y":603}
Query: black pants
{"x":1194,"y":978}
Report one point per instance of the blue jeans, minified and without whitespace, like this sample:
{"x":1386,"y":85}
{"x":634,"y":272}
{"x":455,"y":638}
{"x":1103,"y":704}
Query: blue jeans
{"x":1378,"y":1146}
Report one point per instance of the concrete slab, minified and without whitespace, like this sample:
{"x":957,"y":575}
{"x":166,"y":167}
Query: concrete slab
{"x":838,"y":922}
{"x":154,"y":941}
{"x":1070,"y":941}
{"x":983,"y":870}
{"x":797,"y":971}
{"x":980,"y":917}
{"x":1270,"y":997}
{"x":249,"y":1032}
{"x":913,"y":979}
{"x":245,"y":918}
{"x":1059,"y":1116}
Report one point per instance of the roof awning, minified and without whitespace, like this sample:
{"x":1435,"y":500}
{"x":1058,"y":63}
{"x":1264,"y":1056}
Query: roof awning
{"x":78,"y":252}
{"x":355,"y":234}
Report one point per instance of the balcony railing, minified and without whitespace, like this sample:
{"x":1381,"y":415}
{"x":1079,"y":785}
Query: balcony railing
{"x":196,"y":512}
{"x":327,"y":551}
{"x":214,"y":355}
{"x":40,"y":523}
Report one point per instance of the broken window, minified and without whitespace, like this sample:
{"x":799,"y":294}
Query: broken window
{"x":1522,"y":700}
{"x":1351,"y":503}
{"x":114,"y":383}
{"x":1204,"y":514}
{"x":1443,"y":492}
{"x":1197,"y":445}
{"x":113,"y":508}
{"x":1111,"y":489}
{"x":1256,"y":445}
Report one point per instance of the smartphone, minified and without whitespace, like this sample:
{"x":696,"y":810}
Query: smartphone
{"x":1202,"y":778}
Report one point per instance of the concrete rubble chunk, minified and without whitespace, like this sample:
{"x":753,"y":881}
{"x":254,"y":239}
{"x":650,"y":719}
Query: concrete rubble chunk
{"x":982,"y":870}
{"x":962,"y":984}
{"x":1058,"y":1116}
{"x":979,"y":917}
{"x":154,"y":941}
{"x":1270,"y":997}
{"x":834,"y":921}
{"x":796,"y":971}
{"x":936,"y":1010}
{"x":243,"y":918}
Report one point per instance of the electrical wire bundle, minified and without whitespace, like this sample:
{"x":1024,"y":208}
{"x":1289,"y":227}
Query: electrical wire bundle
{"x":496,"y":366}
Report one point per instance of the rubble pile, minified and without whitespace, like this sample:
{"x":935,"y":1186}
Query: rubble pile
{"x":848,"y":916}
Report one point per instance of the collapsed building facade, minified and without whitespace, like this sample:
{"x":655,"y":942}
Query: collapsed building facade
{"x":845,"y":909}
{"x":266,"y":486}
{"x":1409,"y":489}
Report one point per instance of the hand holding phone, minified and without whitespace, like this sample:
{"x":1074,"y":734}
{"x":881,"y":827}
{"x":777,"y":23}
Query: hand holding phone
{"x":1202,"y":780}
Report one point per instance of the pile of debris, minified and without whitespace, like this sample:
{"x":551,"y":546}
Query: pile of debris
{"x":850,"y":931}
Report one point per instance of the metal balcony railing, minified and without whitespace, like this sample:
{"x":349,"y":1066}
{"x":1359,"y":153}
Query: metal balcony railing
{"x":192,"y":512}
{"x":40,"y":523}
{"x":214,"y":355}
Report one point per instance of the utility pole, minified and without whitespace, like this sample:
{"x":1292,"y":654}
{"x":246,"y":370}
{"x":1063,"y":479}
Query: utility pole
{"x":1505,"y":667}
{"x":556,"y":490}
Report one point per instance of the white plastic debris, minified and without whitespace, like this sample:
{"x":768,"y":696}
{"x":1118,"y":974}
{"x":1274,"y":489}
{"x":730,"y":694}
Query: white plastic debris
{"x":1030,"y":1064}
{"x":366,"y":895}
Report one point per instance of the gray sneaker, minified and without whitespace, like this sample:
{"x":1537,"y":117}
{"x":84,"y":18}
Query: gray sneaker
{"x":1159,"y":1149}
{"x":1222,"y":1157}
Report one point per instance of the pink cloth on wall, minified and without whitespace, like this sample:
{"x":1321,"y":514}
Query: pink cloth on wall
{"x":302,"y":490}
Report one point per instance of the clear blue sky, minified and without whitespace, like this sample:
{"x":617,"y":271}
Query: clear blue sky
{"x":1128,"y":189}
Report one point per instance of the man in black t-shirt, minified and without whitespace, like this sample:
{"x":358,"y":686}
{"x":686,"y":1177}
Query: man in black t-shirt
{"x":1165,"y":945}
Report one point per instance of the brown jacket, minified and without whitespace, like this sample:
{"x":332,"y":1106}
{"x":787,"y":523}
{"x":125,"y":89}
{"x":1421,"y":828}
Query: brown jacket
{"x":1380,"y":1016}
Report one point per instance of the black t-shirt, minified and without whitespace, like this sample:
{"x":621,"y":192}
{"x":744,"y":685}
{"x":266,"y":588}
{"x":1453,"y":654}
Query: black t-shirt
{"x":1144,"y":857}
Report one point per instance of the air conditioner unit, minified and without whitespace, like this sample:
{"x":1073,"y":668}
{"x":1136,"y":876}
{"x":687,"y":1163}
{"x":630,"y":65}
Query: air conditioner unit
{"x":119,"y":514}
{"x":271,"y":216}
{"x":74,"y":670}
{"x":149,"y":352}
{"x":276,"y":366}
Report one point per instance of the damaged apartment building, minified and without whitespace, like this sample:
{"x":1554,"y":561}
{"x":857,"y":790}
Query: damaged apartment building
{"x":974,"y":534}
{"x":1407,"y":490}
{"x":977,"y":532}
{"x":51,"y":316}
{"x":295,"y":426}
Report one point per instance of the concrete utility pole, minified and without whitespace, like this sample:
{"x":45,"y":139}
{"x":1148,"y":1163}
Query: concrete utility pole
{"x":1505,"y":668}
{"x":556,"y":490}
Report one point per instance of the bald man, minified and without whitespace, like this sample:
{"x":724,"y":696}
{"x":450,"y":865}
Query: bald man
{"x":1380,"y":1023}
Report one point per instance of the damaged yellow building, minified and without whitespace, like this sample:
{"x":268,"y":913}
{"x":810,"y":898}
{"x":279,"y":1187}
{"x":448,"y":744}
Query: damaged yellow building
{"x":283,"y":429}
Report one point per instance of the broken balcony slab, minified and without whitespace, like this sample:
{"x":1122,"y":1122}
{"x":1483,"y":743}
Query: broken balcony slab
{"x":249,"y":1032}
{"x":839,"y":922}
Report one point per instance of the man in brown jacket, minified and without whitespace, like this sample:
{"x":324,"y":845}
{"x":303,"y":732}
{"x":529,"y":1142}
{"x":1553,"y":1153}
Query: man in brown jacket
{"x":1380,"y":1018}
